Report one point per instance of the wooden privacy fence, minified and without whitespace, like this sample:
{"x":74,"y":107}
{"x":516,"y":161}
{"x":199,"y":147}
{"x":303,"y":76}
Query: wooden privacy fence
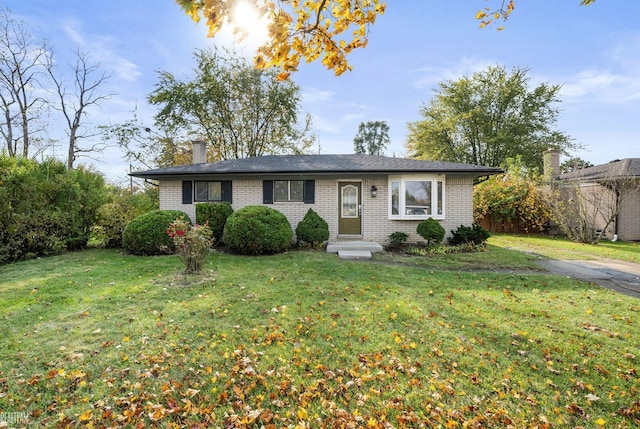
{"x":513,"y":226}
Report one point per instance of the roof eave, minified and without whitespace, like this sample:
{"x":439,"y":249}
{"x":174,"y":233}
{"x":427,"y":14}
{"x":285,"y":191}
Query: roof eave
{"x":161,"y":175}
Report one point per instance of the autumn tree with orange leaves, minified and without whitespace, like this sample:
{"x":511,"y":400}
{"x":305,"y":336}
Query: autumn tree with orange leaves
{"x":315,"y":29}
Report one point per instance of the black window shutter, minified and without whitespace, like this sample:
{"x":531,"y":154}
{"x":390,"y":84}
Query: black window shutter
{"x":267,"y":192}
{"x":226,"y":191}
{"x":187,"y":192}
{"x":309,"y":191}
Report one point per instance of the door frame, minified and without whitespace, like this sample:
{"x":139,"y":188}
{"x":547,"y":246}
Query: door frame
{"x":341,"y":227}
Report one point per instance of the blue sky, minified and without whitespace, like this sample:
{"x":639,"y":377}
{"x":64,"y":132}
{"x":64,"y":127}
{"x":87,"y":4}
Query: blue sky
{"x":593,"y":52}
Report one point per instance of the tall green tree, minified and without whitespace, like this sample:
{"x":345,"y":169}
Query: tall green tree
{"x":488,"y":117}
{"x":239,"y":110}
{"x":372,"y":137}
{"x":573,"y":164}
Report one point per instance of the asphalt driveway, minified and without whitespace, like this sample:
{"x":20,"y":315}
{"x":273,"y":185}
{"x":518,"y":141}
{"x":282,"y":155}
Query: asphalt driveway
{"x":623,"y":277}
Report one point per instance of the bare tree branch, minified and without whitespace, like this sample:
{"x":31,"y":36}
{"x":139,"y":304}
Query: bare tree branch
{"x":22,"y":61}
{"x":88,"y":78}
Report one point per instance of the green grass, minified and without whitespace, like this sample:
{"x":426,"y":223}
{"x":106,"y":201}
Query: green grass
{"x":561,"y":248}
{"x":301,"y":339}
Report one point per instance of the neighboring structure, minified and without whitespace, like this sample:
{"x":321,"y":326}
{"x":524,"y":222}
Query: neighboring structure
{"x":605,"y":189}
{"x":362,"y":197}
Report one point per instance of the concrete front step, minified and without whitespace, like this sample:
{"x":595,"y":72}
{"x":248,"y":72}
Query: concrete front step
{"x":360,"y":246}
{"x":354,"y":254}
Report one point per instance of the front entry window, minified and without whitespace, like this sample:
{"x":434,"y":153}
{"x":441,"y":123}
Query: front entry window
{"x":349,"y":201}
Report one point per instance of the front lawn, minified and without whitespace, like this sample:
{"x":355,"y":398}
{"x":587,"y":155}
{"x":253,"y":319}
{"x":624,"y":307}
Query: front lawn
{"x":561,"y":248}
{"x":102,"y":339}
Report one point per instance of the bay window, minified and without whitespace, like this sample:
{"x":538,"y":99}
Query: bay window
{"x":416,"y":197}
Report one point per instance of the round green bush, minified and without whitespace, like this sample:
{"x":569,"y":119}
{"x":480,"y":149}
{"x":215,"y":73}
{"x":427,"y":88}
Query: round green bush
{"x":312,"y":229}
{"x":432,"y":231}
{"x":216,"y":214}
{"x":257,"y":230}
{"x":147,"y":234}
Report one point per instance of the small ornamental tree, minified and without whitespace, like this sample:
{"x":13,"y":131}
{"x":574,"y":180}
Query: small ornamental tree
{"x":192,"y":243}
{"x":312,"y":229}
{"x":432,"y":231}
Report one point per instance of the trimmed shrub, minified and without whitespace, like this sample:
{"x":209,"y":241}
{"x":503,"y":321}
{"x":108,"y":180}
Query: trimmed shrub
{"x":312,"y":229}
{"x":147,"y":234}
{"x":397,"y":240}
{"x":432,"y":231}
{"x":257,"y":230}
{"x":216,"y":214}
{"x":469,"y":234}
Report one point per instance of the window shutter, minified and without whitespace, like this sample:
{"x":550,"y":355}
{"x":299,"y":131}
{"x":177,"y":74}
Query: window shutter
{"x":267,"y":192}
{"x":309,"y":191}
{"x":187,"y":192}
{"x":226,"y":191}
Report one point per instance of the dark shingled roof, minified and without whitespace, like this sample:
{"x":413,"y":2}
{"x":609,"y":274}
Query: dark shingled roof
{"x":628,"y":167}
{"x":317,"y":164}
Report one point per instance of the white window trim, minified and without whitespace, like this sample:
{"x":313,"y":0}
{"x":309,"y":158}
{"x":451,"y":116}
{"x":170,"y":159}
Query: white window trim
{"x":434,"y":197}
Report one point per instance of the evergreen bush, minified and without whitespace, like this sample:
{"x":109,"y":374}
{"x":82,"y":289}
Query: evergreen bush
{"x":216,"y":214}
{"x":147,"y":233}
{"x":474,"y":234}
{"x":312,"y":229}
{"x":397,"y":240}
{"x":257,"y":230}
{"x":431,"y":230}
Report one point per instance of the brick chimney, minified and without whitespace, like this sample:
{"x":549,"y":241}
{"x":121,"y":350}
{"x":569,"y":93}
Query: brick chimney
{"x":199,"y":150}
{"x":551,"y":159}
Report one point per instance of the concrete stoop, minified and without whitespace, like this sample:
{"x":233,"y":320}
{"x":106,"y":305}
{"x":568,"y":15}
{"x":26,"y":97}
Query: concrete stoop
{"x":354,"y":254}
{"x":353,"y":250}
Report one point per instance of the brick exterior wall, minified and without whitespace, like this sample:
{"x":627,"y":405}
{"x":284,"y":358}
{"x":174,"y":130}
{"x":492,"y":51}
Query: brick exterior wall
{"x":171,"y":198}
{"x":629,"y":218}
{"x":376,"y":226}
{"x":598,"y":202}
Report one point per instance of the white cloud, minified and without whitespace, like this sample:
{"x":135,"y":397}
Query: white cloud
{"x":588,"y":82}
{"x":314,"y":95}
{"x":601,"y":85}
{"x":103,"y":49}
{"x":72,"y":33}
{"x":430,"y":76}
{"x":617,"y":83}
